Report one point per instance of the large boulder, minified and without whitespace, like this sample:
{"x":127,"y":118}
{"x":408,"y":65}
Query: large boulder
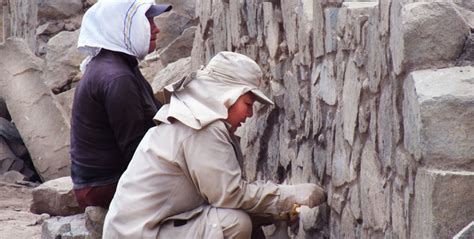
{"x":427,"y":34}
{"x":171,"y":26}
{"x":437,"y":116}
{"x":173,"y":72}
{"x":55,"y":197}
{"x":179,"y":48}
{"x":62,"y":60}
{"x":58,"y":9}
{"x":72,"y":227}
{"x":37,"y":115}
{"x":442,"y":204}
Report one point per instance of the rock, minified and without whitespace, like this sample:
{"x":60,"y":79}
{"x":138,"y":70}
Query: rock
{"x":58,"y":9}
{"x":56,"y":198}
{"x":437,"y":116}
{"x":326,"y":88}
{"x":94,"y":217}
{"x":173,"y":72}
{"x":350,"y":101}
{"x":12,"y":177}
{"x":467,"y":56}
{"x":186,"y":7}
{"x":50,"y":28}
{"x":20,"y":21}
{"x":171,"y":26}
{"x":372,"y":194}
{"x":423,"y":40}
{"x":467,"y":232}
{"x":330,"y":40}
{"x":442,"y":203}
{"x":62,"y":60}
{"x":71,"y":227}
{"x":37,"y":116}
{"x":179,"y":48}
{"x":65,"y":99}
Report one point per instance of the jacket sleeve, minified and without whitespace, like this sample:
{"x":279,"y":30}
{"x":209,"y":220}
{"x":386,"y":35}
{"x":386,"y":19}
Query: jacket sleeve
{"x":125,"y":114}
{"x":215,"y":171}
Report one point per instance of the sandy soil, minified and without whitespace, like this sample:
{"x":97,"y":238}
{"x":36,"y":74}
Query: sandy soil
{"x":16,"y":220}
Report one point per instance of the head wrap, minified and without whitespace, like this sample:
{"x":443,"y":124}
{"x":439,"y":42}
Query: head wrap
{"x":205,"y":95}
{"x":116,"y":25}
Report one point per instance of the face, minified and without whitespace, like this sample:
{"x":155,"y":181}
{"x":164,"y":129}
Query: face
{"x":240,"y":110}
{"x":153,"y":31}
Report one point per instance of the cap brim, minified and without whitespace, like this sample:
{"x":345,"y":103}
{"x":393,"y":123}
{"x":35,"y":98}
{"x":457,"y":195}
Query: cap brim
{"x":262,"y":98}
{"x":158,"y":9}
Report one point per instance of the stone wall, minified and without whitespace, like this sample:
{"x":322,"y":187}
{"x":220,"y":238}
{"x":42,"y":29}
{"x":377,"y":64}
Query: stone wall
{"x":369,"y":104}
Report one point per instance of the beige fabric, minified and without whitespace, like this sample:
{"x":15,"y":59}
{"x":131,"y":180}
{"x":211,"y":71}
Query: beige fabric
{"x":204,"y":96}
{"x":211,"y":223}
{"x":176,"y":172}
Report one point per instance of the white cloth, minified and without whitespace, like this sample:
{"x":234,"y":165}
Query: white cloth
{"x":205,"y":96}
{"x":116,"y":25}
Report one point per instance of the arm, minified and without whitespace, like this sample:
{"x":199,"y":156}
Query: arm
{"x":125,"y":114}
{"x":214,"y":169}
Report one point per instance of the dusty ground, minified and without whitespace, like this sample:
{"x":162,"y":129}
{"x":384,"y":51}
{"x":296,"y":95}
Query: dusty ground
{"x":16,"y":220}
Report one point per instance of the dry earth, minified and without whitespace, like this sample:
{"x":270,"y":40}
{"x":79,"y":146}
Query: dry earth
{"x":16,"y":220}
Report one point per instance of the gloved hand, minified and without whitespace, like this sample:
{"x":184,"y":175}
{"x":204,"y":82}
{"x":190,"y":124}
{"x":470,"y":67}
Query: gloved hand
{"x":308,"y":194}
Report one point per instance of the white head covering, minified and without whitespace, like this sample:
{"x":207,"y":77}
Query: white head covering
{"x":205,"y":96}
{"x":116,"y":25}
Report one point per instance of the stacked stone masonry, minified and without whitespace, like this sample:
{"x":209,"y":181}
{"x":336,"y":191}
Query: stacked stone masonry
{"x":373,"y":100}
{"x":369,"y":103}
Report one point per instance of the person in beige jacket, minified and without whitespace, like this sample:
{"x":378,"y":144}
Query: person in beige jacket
{"x":185,"y":178}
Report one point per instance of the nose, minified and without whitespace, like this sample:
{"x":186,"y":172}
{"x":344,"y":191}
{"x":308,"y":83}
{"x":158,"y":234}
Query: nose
{"x":250,"y":112}
{"x":154,"y":29}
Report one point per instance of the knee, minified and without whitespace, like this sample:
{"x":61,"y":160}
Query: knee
{"x":235,"y":223}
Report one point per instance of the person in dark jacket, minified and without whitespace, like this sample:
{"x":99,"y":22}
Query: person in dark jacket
{"x":113,"y":104}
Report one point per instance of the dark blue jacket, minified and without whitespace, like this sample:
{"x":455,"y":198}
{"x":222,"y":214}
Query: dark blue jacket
{"x":113,"y":108}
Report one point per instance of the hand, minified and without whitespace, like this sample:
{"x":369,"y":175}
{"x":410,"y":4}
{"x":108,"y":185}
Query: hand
{"x":307,"y":194}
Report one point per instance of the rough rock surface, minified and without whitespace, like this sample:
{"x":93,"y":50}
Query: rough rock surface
{"x":56,"y":198}
{"x":65,"y":227}
{"x":37,"y":115}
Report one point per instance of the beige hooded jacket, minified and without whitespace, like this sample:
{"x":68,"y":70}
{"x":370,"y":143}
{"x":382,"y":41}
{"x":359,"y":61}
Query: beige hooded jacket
{"x":188,"y":163}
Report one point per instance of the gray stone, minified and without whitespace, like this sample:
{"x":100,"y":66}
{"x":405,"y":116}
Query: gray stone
{"x":12,"y":177}
{"x":341,"y":158}
{"x":172,"y":73}
{"x":65,"y":100}
{"x":289,"y":11}
{"x":466,"y":233}
{"x":20,"y":21}
{"x":94,"y":220}
{"x":171,"y":26}
{"x":179,"y":48}
{"x":384,"y":127}
{"x":271,"y":21}
{"x":423,"y":40}
{"x":71,"y":227}
{"x":350,"y":101}
{"x":355,"y":202}
{"x":36,"y":114}
{"x":55,"y":197}
{"x":347,"y":223}
{"x":58,"y":9}
{"x":330,"y":40}
{"x":373,"y":199}
{"x":442,"y":203}
{"x":318,"y":26}
{"x":62,"y":60}
{"x":326,"y":88}
{"x":399,"y":214}
{"x":186,"y":7}
{"x":437,"y":116}
{"x":50,"y":28}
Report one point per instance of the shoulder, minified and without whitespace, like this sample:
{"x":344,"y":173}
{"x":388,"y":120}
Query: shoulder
{"x":215,"y":130}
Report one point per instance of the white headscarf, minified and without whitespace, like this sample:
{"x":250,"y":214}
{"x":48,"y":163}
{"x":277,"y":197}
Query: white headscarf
{"x":116,"y":25}
{"x":205,"y":96}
